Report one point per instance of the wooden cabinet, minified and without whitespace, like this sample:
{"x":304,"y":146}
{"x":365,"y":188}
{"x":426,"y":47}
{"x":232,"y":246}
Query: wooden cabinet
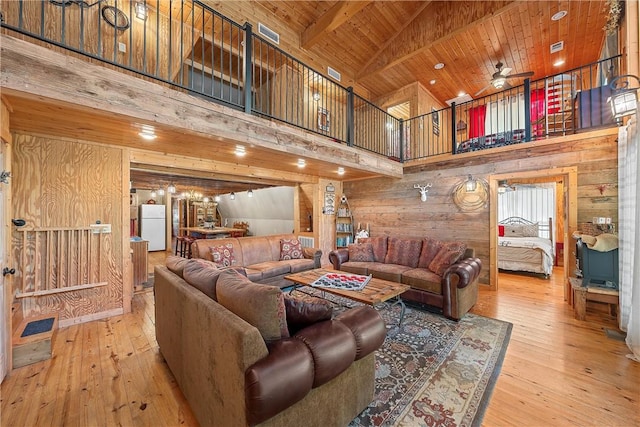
{"x":200,"y":212}
{"x":344,"y":224}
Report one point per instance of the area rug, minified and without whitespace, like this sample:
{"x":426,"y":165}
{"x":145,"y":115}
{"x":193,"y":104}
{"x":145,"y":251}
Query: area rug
{"x":432,"y":371}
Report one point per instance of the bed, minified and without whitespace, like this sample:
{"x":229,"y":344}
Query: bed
{"x":525,"y":246}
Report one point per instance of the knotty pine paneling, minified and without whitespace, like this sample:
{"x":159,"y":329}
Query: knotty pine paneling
{"x":64,"y":183}
{"x":393,"y":207}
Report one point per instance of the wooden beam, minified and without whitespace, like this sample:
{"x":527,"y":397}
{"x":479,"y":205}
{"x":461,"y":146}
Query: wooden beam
{"x":337,"y":15}
{"x":437,"y":22}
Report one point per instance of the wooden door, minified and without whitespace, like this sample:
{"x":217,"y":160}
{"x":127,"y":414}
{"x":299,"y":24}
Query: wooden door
{"x":6,"y":294}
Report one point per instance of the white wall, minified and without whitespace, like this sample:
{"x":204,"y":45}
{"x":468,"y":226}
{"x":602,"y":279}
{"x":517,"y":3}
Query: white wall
{"x":269,"y":211}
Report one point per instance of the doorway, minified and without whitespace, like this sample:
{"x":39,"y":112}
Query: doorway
{"x":568,"y":199}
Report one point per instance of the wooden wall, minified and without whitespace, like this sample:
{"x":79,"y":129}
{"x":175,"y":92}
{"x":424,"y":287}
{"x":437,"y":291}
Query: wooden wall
{"x":393,"y":206}
{"x":66,"y":183}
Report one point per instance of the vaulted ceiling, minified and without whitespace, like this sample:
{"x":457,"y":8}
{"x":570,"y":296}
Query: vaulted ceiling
{"x":382,"y":46}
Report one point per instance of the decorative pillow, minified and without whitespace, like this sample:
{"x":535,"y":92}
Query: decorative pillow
{"x":223,"y":255}
{"x":259,"y":305}
{"x":379,"y":247}
{"x":430,"y":248}
{"x":403,"y":252}
{"x":501,"y":231}
{"x":447,"y":255}
{"x":513,"y":231}
{"x":305,"y":310}
{"x":202,"y":275}
{"x":530,"y":230}
{"x":361,"y":252}
{"x":176,"y":264}
{"x":290,"y":249}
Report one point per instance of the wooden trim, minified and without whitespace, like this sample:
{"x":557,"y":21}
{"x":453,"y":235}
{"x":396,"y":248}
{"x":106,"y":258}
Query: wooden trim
{"x":127,"y":265}
{"x":96,"y":316}
{"x":61,"y":290}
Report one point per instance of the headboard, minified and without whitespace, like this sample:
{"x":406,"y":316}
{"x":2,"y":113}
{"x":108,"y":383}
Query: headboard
{"x":544,"y":230}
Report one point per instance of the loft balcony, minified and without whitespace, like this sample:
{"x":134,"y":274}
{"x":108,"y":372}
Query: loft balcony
{"x":189,"y":47}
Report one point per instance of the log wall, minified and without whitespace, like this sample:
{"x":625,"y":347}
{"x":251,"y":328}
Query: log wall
{"x":393,"y":207}
{"x":67,"y":184}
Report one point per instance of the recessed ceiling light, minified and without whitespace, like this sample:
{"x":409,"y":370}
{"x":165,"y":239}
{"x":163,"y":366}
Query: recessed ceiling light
{"x":148,"y":132}
{"x":301,"y":163}
{"x":461,"y":93}
{"x":439,"y":66}
{"x":340,"y":170}
{"x":240,"y":150}
{"x":559,"y":15}
{"x":433,"y":81}
{"x":558,"y":63}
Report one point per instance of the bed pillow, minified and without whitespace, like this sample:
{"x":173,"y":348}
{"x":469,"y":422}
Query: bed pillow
{"x":513,"y":231}
{"x":361,"y":252}
{"x":530,"y":230}
{"x":223,"y":255}
{"x":290,"y":249}
{"x":449,"y":254}
{"x":501,"y":231}
{"x":262,"y":306}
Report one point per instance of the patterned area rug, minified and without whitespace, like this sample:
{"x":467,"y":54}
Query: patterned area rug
{"x":432,"y":371}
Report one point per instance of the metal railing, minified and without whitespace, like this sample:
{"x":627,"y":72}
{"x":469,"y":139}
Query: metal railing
{"x":190,"y":46}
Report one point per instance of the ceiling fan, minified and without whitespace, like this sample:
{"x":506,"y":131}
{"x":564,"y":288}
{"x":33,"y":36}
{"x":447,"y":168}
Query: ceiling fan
{"x":499,"y":78}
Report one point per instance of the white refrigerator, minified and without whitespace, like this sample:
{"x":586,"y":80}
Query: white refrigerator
{"x":153,"y":226}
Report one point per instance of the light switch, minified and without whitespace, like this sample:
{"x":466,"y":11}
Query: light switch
{"x":122,"y":47}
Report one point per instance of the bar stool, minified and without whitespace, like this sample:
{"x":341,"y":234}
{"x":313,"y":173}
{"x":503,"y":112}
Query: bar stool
{"x":183,"y":246}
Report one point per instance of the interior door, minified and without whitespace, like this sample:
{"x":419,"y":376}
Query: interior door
{"x":5,"y":262}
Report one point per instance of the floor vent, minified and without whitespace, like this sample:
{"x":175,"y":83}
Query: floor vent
{"x":306,"y":242}
{"x":268,"y":33}
{"x":333,"y":74}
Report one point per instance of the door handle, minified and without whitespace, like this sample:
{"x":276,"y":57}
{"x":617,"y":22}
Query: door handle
{"x":8,"y":270}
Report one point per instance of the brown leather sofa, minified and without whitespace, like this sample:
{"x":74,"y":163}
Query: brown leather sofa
{"x":260,"y":256}
{"x":322,"y":375}
{"x":451,"y":285}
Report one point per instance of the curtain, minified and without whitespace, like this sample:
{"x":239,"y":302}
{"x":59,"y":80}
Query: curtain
{"x":476,"y":121}
{"x":629,"y":235}
{"x":537,"y":111}
{"x":505,"y":115}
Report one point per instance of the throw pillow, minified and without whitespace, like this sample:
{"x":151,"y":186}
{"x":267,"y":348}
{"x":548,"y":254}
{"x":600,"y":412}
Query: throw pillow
{"x":360,"y":252}
{"x":430,"y":248}
{"x":223,"y":255}
{"x":262,"y":306}
{"x":513,"y":231}
{"x":403,"y":252}
{"x":305,"y":310}
{"x":379,"y":247}
{"x":290,"y":249}
{"x":449,"y":254}
{"x":501,"y":231}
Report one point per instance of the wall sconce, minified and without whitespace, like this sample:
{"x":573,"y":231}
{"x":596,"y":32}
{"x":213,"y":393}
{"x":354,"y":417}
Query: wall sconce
{"x":171,"y":189}
{"x":423,"y":190}
{"x":153,"y":194}
{"x":250,"y":193}
{"x":141,"y":11}
{"x":232,"y":195}
{"x":470,"y":184}
{"x":624,"y":100}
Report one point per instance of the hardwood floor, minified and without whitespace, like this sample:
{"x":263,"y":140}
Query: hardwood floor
{"x":557,"y":370}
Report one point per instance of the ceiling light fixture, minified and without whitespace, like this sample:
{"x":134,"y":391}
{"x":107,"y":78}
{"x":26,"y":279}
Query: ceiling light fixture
{"x":148,"y":132}
{"x":232,"y":195}
{"x":559,"y":15}
{"x":240,"y":150}
{"x":461,"y":93}
{"x":558,"y":63}
{"x":439,"y":66}
{"x":340,"y":170}
{"x":302,"y":163}
{"x":433,"y":81}
{"x":499,"y":82}
{"x":250,"y":193}
{"x":171,"y":189}
{"x":161,"y":192}
{"x":216,"y":198}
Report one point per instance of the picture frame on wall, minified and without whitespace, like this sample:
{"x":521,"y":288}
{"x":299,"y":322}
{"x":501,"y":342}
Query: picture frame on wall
{"x":329,"y":207}
{"x":435,"y":121}
{"x":323,"y":119}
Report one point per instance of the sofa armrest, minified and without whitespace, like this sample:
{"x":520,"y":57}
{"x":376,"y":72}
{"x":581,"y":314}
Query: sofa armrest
{"x":459,"y":278}
{"x":313,"y":253}
{"x":338,"y":256}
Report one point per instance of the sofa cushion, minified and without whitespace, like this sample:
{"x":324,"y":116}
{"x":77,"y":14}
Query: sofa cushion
{"x":447,"y":255}
{"x":298,"y":265}
{"x":290,"y":249}
{"x":421,"y":278}
{"x":391,"y":272}
{"x":253,"y":275}
{"x":361,"y":252}
{"x":271,"y":268}
{"x":304,"y":310}
{"x":403,"y":251}
{"x":176,"y":264}
{"x":202,"y":275}
{"x":379,"y":247}
{"x":259,"y":305}
{"x":222,"y":255}
{"x":430,"y":248}
{"x":356,"y":267}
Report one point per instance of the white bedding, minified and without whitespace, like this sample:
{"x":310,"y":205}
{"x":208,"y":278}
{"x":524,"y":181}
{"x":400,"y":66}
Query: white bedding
{"x":532,"y":254}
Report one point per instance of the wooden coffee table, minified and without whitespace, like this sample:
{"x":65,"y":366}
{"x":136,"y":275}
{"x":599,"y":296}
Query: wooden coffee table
{"x":375,"y":292}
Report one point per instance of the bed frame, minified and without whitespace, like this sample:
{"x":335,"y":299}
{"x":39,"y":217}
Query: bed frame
{"x":534,"y":256}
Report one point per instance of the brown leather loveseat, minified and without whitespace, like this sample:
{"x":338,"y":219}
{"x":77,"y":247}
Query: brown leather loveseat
{"x":238,"y":364}
{"x":440,"y":274}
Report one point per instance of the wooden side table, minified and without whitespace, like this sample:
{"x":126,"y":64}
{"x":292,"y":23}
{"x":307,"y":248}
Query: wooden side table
{"x":582,"y":294}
